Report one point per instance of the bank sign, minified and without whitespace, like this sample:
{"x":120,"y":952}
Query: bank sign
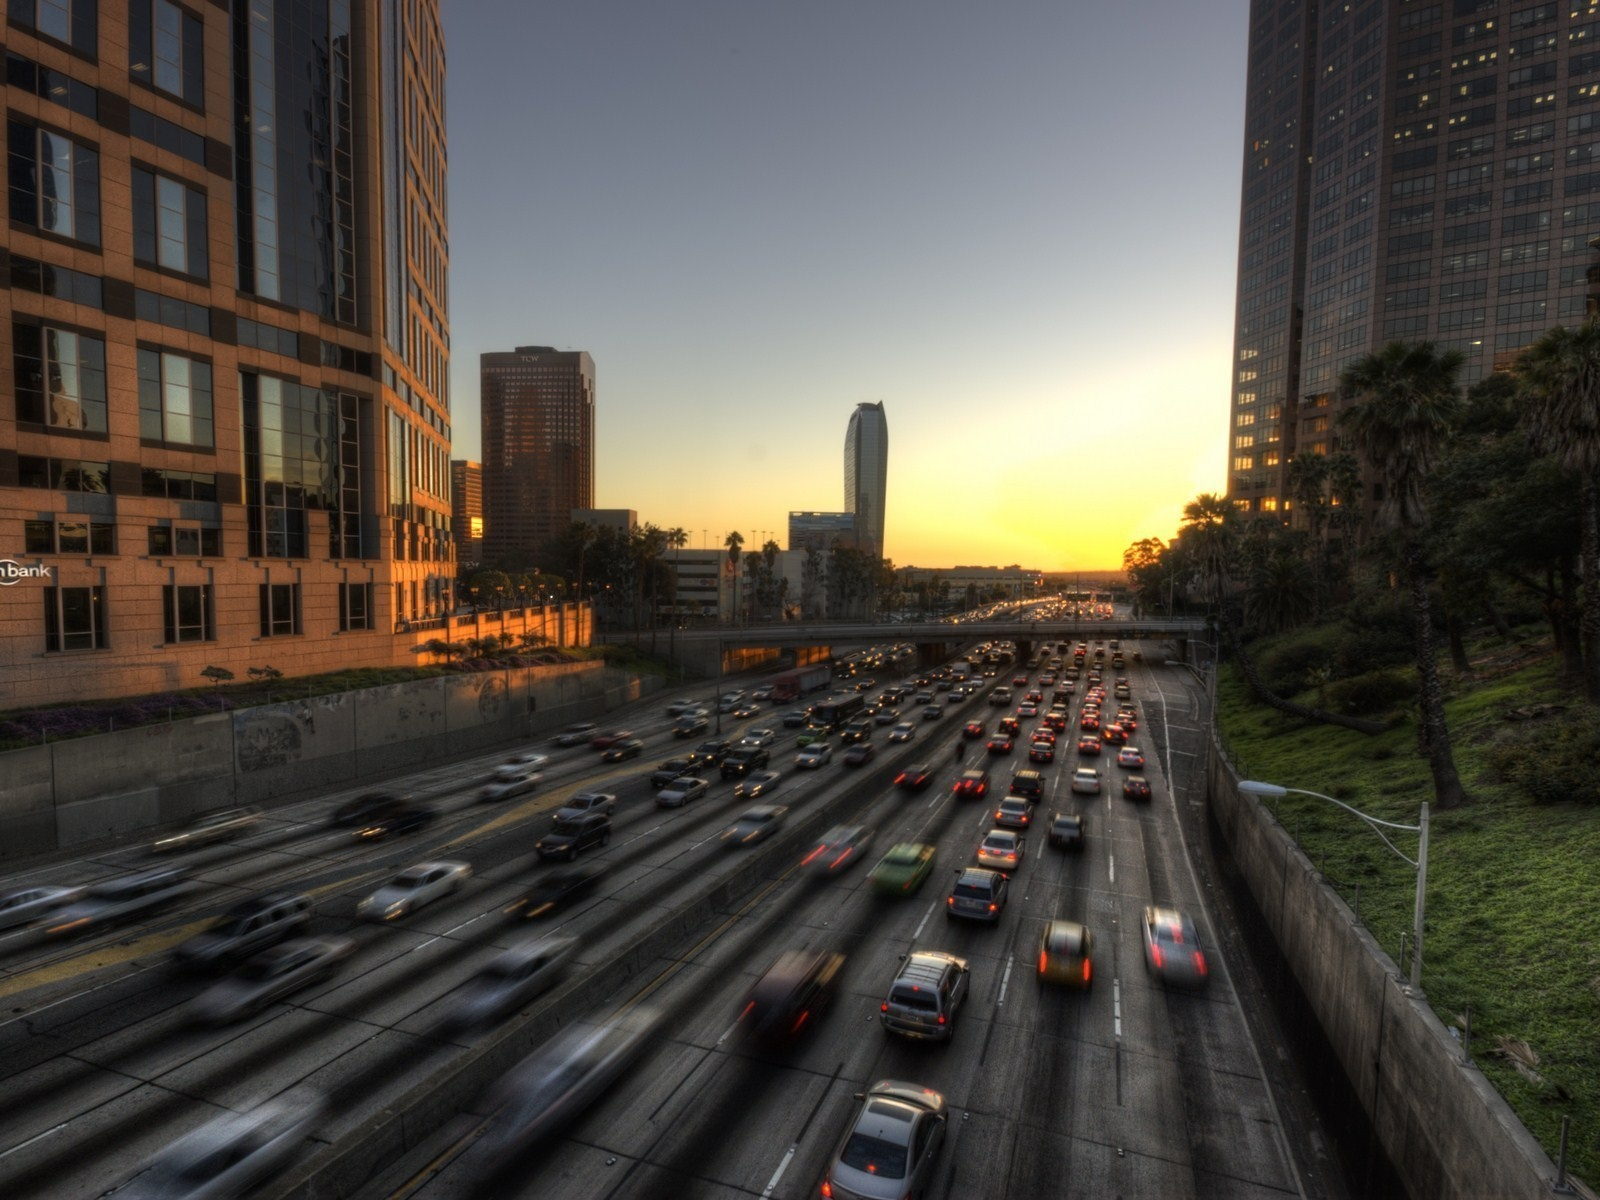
{"x":12,"y":572}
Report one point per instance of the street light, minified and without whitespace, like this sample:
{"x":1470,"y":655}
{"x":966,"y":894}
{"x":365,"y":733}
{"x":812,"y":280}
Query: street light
{"x":1252,"y":787}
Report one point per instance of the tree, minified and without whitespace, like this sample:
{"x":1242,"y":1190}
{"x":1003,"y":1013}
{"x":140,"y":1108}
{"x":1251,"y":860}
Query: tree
{"x":217,"y":675}
{"x":1559,"y":378}
{"x":734,"y":542}
{"x":677,"y":538}
{"x":1406,"y":399}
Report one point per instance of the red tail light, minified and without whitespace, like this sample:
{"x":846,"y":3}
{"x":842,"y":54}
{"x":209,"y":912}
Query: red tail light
{"x":1155,"y":955}
{"x":827,"y":1190}
{"x":1199,"y":962}
{"x":884,"y":1007}
{"x":994,"y":908}
{"x":1044,"y":961}
{"x":951,"y":901}
{"x":1086,"y":970}
{"x":941,"y":1018}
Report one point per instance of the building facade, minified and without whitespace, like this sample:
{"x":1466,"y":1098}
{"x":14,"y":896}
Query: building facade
{"x":1413,"y":171}
{"x":820,"y":530}
{"x":466,"y":510}
{"x":866,"y":474}
{"x":538,"y":438}
{"x":225,"y":439}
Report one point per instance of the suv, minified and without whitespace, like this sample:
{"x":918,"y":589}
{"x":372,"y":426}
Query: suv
{"x":567,"y":837}
{"x":247,"y":927}
{"x":979,"y":893}
{"x":925,"y":995}
{"x":789,"y":997}
{"x":744,"y":759}
{"x":690,"y":724}
{"x":1028,"y":784}
{"x":857,"y":731}
{"x":711,"y":754}
{"x":673,"y":768}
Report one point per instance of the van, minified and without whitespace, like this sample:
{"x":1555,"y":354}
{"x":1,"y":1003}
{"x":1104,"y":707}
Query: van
{"x":249,"y":926}
{"x":925,"y":995}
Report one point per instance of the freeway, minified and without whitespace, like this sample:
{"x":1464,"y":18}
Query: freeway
{"x":1131,"y":1089}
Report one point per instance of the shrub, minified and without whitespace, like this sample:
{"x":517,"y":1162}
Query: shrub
{"x":1372,"y":693}
{"x":1286,"y":662}
{"x":1552,"y":760}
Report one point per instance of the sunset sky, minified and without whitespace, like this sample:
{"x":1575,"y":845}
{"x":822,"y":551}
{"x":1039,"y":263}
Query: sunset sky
{"x":1013,"y":223}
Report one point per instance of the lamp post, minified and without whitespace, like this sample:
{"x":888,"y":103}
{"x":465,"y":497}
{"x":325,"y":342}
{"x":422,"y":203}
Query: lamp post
{"x":1252,"y":787}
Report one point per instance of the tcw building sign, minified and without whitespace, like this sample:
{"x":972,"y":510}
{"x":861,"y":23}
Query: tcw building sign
{"x":13,"y":572}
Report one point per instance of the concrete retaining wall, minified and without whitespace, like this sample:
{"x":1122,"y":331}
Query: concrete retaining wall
{"x":85,"y":790}
{"x":1449,"y":1134}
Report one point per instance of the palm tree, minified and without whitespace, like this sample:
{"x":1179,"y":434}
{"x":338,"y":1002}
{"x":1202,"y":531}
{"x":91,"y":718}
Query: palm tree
{"x":585,"y":534}
{"x":677,"y":539}
{"x":1406,"y":396}
{"x":1208,"y":533}
{"x":733,"y":542}
{"x":1559,"y":382}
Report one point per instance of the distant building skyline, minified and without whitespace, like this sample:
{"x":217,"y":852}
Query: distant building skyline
{"x":466,"y":509}
{"x":866,"y":474}
{"x":819,"y":530}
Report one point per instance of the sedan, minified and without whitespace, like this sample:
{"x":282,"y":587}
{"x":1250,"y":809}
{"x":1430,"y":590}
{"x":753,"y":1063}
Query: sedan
{"x":1042,"y":752}
{"x":1089,"y":722}
{"x":609,"y":738}
{"x":759,"y":737}
{"x":1065,"y":954}
{"x":838,"y":849}
{"x":510,"y":981}
{"x":673,"y":768}
{"x":230,"y":1155}
{"x":1136,"y":787}
{"x":576,"y":735}
{"x":914,"y":778}
{"x":508,"y":782}
{"x":618,"y":751}
{"x":115,"y":900}
{"x":1131,"y":757}
{"x":903,"y":732}
{"x":363,"y":809}
{"x":680,"y":791}
{"x":1015,"y":812}
{"x":795,"y":719}
{"x":566,"y":838}
{"x":1086,"y":780}
{"x":859,"y":754}
{"x":887,"y":716}
{"x":818,"y":754}
{"x":581,"y":804}
{"x":746,"y":709}
{"x":973,"y":729}
{"x":1002,"y":849}
{"x":22,"y":905}
{"x":271,"y":975}
{"x":211,"y":827}
{"x":407,"y":818}
{"x":755,"y":825}
{"x":1066,"y":831}
{"x":757,"y":783}
{"x":1001,"y":743}
{"x":973,"y":785}
{"x":902,"y":870}
{"x":889,"y":1151}
{"x":413,"y":888}
{"x":1089,"y":746}
{"x":554,"y":889}
{"x":531,"y":759}
{"x":933,"y":712}
{"x":1172,"y":950}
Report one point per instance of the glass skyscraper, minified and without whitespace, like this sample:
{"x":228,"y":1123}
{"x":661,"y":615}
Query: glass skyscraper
{"x":866,"y":473}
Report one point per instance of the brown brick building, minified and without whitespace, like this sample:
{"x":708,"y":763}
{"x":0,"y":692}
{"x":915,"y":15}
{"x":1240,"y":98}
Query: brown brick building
{"x":224,"y":415}
{"x":466,"y":509}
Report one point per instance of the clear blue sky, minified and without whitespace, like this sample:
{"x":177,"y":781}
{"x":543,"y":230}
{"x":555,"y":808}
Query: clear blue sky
{"x":1014,"y":223}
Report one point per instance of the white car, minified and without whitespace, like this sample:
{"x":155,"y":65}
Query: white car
{"x":1086,"y":780}
{"x":232,"y":1154}
{"x":531,"y":759}
{"x":759,"y":737}
{"x":412,"y":888}
{"x":680,"y":791}
{"x":583,"y":803}
{"x":510,"y":981}
{"x":26,"y":904}
{"x":276,"y":972}
{"x":903,"y":732}
{"x":509,"y":781}
{"x":578,"y":734}
{"x":816,"y":755}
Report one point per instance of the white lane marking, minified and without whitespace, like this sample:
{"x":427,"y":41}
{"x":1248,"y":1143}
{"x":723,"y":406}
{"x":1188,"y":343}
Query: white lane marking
{"x":35,"y":1138}
{"x":1116,"y":1007}
{"x":728,"y":1033}
{"x":438,"y":936}
{"x":772,"y":1184}
{"x":32,"y":1013}
{"x":917,"y":932}
{"x":1005,"y":981}
{"x":1111,"y":860}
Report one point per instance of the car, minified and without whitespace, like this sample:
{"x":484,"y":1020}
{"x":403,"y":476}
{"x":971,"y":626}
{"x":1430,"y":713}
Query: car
{"x":1172,"y":950}
{"x":741,"y":760}
{"x":1128,"y":721}
{"x":979,"y":894}
{"x":857,"y":731}
{"x":509,"y":781}
{"x":813,"y":735}
{"x":1043,"y":734}
{"x":414,"y":888}
{"x":1089,"y":746}
{"x":790,"y":996}
{"x":678,"y":707}
{"x":609,"y":738}
{"x":973,"y":729}
{"x":1136,"y":787}
{"x":509,"y":981}
{"x":1010,"y":725}
{"x":925,"y":997}
{"x":1001,"y":743}
{"x":1020,"y":681}
{"x":534,"y":760}
{"x":689,"y":725}
{"x":271,"y":975}
{"x":922,"y":698}
{"x":1066,"y":831}
{"x":625,"y":749}
{"x":1000,"y":697}
{"x":818,"y":754}
{"x":758,"y":737}
{"x":764,"y":692}
{"x":245,"y":929}
{"x":209,"y":827}
{"x":363,"y":809}
{"x":860,"y":754}
{"x":757,"y":783}
{"x":1114,"y":735}
{"x":1041,"y":752}
{"x":886,"y":716}
{"x":838,"y":849}
{"x":711,"y":753}
{"x":903,"y":732}
{"x":747,"y":709}
{"x":407,"y":818}
{"x":1089,"y":721}
{"x":1014,"y":812}
{"x":1086,"y":780}
{"x":673,"y":768}
{"x":1028,"y":784}
{"x":577,"y":734}
{"x":888,"y":1152}
{"x":681,"y":791}
{"x":1002,"y":849}
{"x":795,"y":719}
{"x":567,"y":837}
{"x":915,"y":777}
{"x":932,"y":712}
{"x":755,"y":825}
{"x":1034,"y":697}
{"x":1130,"y":757}
{"x":112,"y":901}
{"x":1027,"y":711}
{"x":902,"y":870}
{"x":552,"y":889}
{"x":973,"y":785}
{"x":19,"y":906}
{"x":231,"y":1155}
{"x":1066,"y":951}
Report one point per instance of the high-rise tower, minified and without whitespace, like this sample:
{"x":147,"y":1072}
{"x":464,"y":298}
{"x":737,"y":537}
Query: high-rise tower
{"x":866,"y":473}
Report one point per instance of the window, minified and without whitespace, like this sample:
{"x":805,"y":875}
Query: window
{"x":188,"y":614}
{"x":169,"y":223}
{"x":54,"y":183}
{"x":53,"y":87}
{"x":169,"y":310}
{"x":31,"y":275}
{"x":69,"y":21}
{"x":74,"y":619}
{"x":63,"y":474}
{"x":177,"y":485}
{"x":69,"y":537}
{"x":60,"y":378}
{"x":174,"y":399}
{"x":280,"y":609}
{"x":185,"y":540}
{"x":168,"y":135}
{"x":164,"y":49}
{"x":355,"y":606}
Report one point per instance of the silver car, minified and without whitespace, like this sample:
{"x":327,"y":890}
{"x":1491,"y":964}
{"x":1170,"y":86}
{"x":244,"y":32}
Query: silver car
{"x":509,"y":781}
{"x":22,"y":905}
{"x":116,"y":900}
{"x":582,"y":804}
{"x":510,"y":981}
{"x":838,"y":849}
{"x":230,"y":1155}
{"x":757,"y":783}
{"x":889,"y":1150}
{"x":269,"y":976}
{"x":755,"y":824}
{"x":1172,"y":950}
{"x":211,"y":827}
{"x":413,"y":888}
{"x":680,"y":791}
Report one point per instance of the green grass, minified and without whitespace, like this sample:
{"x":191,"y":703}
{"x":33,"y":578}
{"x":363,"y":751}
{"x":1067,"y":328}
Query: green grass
{"x":1513,"y":888}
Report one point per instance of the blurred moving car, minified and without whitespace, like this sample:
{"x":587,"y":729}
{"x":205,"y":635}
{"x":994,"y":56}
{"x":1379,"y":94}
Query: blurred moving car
{"x":363,"y":809}
{"x":22,"y":905}
{"x":757,"y":783}
{"x":509,"y":781}
{"x":271,"y":975}
{"x":680,"y":791}
{"x":791,"y":995}
{"x":902,"y":870}
{"x":577,"y":734}
{"x":973,"y":785}
{"x":860,"y":754}
{"x":209,"y":827}
{"x":403,"y":818}
{"x":1066,"y":831}
{"x":115,"y":900}
{"x":1065,"y":953}
{"x":972,"y":729}
{"x":889,"y":1150}
{"x":1172,"y":950}
{"x":755,"y":825}
{"x":581,"y":804}
{"x":534,"y":760}
{"x":915,"y":777}
{"x":230,"y":1155}
{"x":838,"y":849}
{"x":510,"y":981}
{"x":552,"y":889}
{"x":625,"y":749}
{"x":608,"y":739}
{"x":248,"y":927}
{"x":903,"y":732}
{"x":818,"y":754}
{"x":568,"y":836}
{"x":414,"y":888}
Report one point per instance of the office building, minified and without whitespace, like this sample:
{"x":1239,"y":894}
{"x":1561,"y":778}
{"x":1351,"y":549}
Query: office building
{"x":538,"y":449}
{"x":866,"y":474}
{"x":820,"y":530}
{"x":1411,"y":171}
{"x":225,"y":424}
{"x":466,"y":510}
{"x":619,"y":520}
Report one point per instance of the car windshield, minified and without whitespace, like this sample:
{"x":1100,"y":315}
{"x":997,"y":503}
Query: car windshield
{"x":973,"y":891}
{"x":863,"y":1152}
